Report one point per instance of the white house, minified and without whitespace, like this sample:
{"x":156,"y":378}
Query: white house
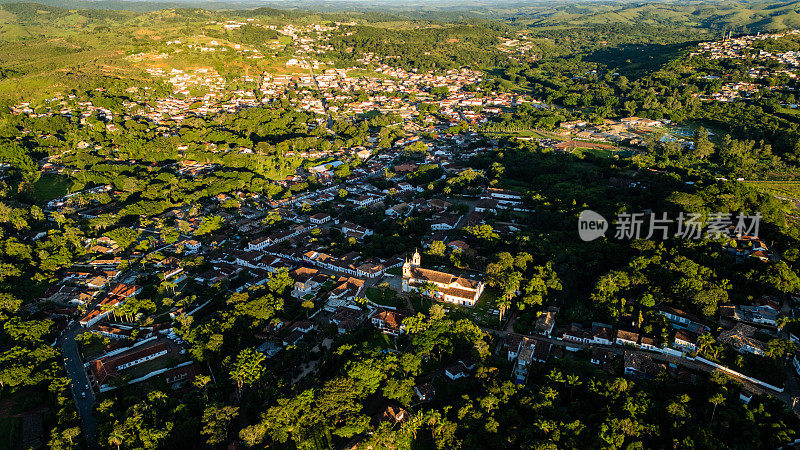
{"x":686,"y":340}
{"x":320,"y":218}
{"x":447,"y":222}
{"x":192,"y":246}
{"x":458,"y":370}
{"x":259,"y":243}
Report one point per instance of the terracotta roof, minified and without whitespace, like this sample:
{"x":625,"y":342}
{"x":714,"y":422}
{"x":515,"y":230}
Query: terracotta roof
{"x":602,"y":331}
{"x":628,"y":335}
{"x":350,"y":284}
{"x":646,"y":340}
{"x":125,"y":290}
{"x":545,"y":320}
{"x":105,"y":368}
{"x":431,"y":275}
{"x":391,"y":319}
{"x":512,"y":341}
{"x":642,"y":363}
{"x":458,"y":293}
{"x":442,"y":278}
{"x":686,"y":336}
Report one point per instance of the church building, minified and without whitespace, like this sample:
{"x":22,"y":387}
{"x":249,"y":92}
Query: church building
{"x":449,"y":288}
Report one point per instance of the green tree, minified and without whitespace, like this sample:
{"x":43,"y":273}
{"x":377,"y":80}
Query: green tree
{"x":437,"y":248}
{"x":247,"y":369}
{"x":216,"y":419}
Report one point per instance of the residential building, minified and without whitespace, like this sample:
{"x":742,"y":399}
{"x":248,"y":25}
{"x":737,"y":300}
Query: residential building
{"x":602,"y":334}
{"x":531,"y":350}
{"x":461,"y":369}
{"x":686,"y":340}
{"x":546,"y":321}
{"x":445,"y":222}
{"x":388,"y":321}
{"x":741,"y":338}
{"x":629,"y":338}
{"x":642,"y":366}
{"x":425,"y":392}
{"x":320,"y":218}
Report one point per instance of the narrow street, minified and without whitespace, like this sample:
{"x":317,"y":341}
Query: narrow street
{"x":80,"y":383}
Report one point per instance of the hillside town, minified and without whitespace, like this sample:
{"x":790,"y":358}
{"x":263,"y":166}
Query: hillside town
{"x":299,"y":237}
{"x":329,"y":214}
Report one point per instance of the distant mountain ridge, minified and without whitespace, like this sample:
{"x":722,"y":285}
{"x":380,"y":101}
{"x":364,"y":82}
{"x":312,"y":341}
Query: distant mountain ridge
{"x":718,"y":15}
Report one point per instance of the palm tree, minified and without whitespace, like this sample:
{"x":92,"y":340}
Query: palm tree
{"x":511,"y":285}
{"x":545,"y":426}
{"x":705,"y":341}
{"x":117,"y":436}
{"x":428,"y":288}
{"x":555,"y":376}
{"x":247,"y":369}
{"x":715,"y":400}
{"x":503,"y":304}
{"x":169,"y":285}
{"x":549,"y":394}
{"x":59,"y":218}
{"x":414,"y":423}
{"x":107,"y":307}
{"x":71,"y":433}
{"x":434,"y":422}
{"x":573,"y":381}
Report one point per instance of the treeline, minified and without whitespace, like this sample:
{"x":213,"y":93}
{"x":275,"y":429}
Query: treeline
{"x":422,"y":49}
{"x":248,"y":35}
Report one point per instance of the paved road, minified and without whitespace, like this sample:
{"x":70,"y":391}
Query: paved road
{"x":76,"y":372}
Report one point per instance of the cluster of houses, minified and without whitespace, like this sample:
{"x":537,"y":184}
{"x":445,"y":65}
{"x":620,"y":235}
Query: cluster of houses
{"x":732,"y":91}
{"x":743,"y":48}
{"x":522,"y":45}
{"x":745,"y":328}
{"x":747,"y":246}
{"x":334,"y":87}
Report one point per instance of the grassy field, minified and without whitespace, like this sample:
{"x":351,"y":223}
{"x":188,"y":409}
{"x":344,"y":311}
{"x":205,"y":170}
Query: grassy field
{"x":598,"y":152}
{"x":483,"y":311}
{"x":385,"y":297}
{"x":787,"y":189}
{"x":49,"y":187}
{"x":395,"y":271}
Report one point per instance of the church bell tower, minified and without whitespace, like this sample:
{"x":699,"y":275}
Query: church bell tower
{"x":416,"y":259}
